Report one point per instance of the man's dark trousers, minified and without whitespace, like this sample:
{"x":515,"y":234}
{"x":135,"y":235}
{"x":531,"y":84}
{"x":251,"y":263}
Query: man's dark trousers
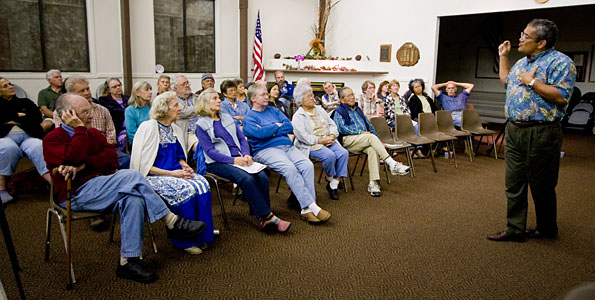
{"x":532,"y":160}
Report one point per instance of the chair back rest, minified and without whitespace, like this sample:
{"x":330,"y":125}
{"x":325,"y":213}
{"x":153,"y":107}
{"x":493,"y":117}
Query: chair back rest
{"x":404,"y":127}
{"x":383,"y":130}
{"x":99,"y":91}
{"x":444,"y":120}
{"x":20,"y":92}
{"x":471,"y":120}
{"x":427,"y":124}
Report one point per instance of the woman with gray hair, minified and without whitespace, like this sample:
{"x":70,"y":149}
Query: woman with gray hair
{"x":138,"y":108}
{"x":227,"y":153}
{"x":158,"y":152}
{"x":315,"y":135}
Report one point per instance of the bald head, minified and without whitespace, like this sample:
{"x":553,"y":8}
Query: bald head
{"x":78,"y":104}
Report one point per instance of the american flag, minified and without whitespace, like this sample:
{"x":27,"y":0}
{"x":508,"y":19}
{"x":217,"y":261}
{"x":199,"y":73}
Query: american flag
{"x":258,"y":68}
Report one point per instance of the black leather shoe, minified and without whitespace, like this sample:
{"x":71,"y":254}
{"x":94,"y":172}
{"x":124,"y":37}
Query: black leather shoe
{"x":504,"y":236}
{"x":341,"y":185}
{"x":536,"y":234}
{"x":185,"y":229}
{"x":293,"y":203}
{"x":135,"y":269}
{"x":332,"y":193}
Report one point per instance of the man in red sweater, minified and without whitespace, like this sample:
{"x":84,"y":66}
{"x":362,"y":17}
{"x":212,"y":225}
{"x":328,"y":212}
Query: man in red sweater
{"x":83,"y":154}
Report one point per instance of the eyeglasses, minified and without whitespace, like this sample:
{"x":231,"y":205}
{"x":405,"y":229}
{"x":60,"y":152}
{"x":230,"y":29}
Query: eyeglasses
{"x":525,"y":37}
{"x":5,"y":86}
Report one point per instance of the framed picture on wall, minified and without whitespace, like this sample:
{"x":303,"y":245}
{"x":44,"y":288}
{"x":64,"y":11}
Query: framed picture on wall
{"x":385,"y":51}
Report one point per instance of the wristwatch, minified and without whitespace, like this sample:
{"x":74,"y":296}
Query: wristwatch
{"x":530,"y":85}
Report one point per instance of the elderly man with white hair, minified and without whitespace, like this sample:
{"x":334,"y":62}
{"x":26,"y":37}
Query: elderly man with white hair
{"x":188,"y":116}
{"x":46,"y":98}
{"x":315,"y":135}
{"x":82,"y":153}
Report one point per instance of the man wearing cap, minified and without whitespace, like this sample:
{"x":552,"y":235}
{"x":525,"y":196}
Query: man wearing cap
{"x":207,"y":82}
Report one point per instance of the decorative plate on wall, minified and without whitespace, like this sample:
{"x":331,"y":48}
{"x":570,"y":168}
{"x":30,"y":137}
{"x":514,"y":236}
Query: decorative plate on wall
{"x":542,"y":1}
{"x":408,"y":55}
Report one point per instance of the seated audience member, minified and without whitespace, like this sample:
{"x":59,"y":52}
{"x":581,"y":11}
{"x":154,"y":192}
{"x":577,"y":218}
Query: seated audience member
{"x":419,"y":102}
{"x":358,"y":136}
{"x":188,"y":118}
{"x":368,"y":101}
{"x":113,"y":99}
{"x":383,"y":90}
{"x":158,"y":154}
{"x":267,"y":130}
{"x":315,"y":135}
{"x":273,"y":89}
{"x":138,"y":108}
{"x":46,"y":98}
{"x":451,"y":101}
{"x":246,"y":87}
{"x":163,"y":84}
{"x":330,"y":99}
{"x":100,"y":116}
{"x":224,"y":146}
{"x":231,"y":106}
{"x":207,"y":81}
{"x":394,"y":104}
{"x":20,"y":134}
{"x":241,"y":92}
{"x":285,"y":88}
{"x":82,"y":153}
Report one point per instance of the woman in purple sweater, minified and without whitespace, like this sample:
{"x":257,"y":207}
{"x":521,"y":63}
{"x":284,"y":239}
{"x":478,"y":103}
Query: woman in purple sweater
{"x":226,"y":151}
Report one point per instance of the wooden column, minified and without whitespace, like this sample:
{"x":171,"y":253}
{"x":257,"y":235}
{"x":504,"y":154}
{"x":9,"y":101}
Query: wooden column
{"x":244,"y":40}
{"x":126,"y":53}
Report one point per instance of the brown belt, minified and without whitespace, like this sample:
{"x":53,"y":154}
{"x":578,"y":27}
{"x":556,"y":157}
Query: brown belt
{"x":525,"y":124}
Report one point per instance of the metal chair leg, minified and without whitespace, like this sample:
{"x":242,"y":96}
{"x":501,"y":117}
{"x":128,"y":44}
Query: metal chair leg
{"x":152,"y":234}
{"x":432,"y":157}
{"x":111,"y":233}
{"x":48,"y":226}
{"x":278,"y":184}
{"x":223,"y":214}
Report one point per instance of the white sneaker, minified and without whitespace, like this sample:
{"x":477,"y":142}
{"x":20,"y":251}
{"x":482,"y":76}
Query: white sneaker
{"x":374,"y":189}
{"x":400,"y":169}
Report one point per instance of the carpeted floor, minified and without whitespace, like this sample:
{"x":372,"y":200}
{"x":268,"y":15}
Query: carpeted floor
{"x":424,"y":238}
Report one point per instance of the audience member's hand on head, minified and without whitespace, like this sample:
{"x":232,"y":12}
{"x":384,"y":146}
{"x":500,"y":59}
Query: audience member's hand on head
{"x":70,"y":118}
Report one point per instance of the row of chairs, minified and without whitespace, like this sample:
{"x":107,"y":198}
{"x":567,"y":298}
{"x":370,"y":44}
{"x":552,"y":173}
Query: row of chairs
{"x":433,"y":129}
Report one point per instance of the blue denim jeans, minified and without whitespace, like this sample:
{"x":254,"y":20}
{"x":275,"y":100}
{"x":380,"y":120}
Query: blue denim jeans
{"x":297,"y":169}
{"x":334,"y":159}
{"x":255,"y":187}
{"x":12,"y":147}
{"x":128,"y":193}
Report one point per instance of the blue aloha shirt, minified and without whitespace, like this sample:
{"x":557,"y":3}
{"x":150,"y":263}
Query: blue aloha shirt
{"x":524,"y":104}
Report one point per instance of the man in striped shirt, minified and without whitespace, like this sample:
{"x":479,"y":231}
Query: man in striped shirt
{"x":357,"y":135}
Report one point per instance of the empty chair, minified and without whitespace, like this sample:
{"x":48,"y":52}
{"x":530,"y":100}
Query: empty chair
{"x":472,"y":124}
{"x":446,"y":125}
{"x":389,"y":141}
{"x":406,"y":132}
{"x":429,"y":128}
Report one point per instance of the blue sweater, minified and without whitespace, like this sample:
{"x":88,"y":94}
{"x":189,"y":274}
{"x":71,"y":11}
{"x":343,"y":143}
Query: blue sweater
{"x":133,"y":116}
{"x":262,"y":132}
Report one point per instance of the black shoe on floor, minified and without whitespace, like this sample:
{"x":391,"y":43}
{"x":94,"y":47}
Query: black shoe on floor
{"x":185,"y":229}
{"x":341,"y":185}
{"x":293,"y":203}
{"x":534,"y":233}
{"x":504,"y":236}
{"x":135,"y":269}
{"x":332,"y":193}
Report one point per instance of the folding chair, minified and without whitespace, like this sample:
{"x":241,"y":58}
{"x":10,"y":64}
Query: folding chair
{"x":406,"y":132}
{"x":215,"y":179}
{"x":65,"y":217}
{"x":389,"y":141}
{"x":472,"y":124}
{"x":429,"y":128}
{"x":446,"y":125}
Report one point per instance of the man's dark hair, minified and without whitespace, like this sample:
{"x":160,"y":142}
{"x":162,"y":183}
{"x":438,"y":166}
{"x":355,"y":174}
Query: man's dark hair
{"x":227,"y":84}
{"x":546,"y":31}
